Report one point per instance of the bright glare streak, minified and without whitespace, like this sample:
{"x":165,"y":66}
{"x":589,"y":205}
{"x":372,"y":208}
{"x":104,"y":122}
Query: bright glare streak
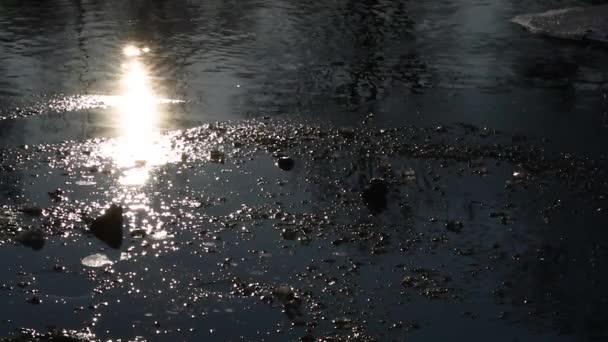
{"x":140,"y":145}
{"x":131,"y":51}
{"x":138,"y":122}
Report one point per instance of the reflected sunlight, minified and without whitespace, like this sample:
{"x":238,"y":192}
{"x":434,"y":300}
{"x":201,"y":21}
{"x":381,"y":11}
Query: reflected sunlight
{"x":140,"y":145}
{"x":131,"y":51}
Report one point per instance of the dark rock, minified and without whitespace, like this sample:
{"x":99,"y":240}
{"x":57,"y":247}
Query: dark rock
{"x":454,"y":226}
{"x":284,"y":293}
{"x":57,"y":195}
{"x":343,"y":323}
{"x":289,"y":234}
{"x":138,"y":233}
{"x":108,"y":227}
{"x":31,"y":211}
{"x":34,"y":300}
{"x":32,"y":238}
{"x":217,"y":156}
{"x":375,"y":195}
{"x":307,"y":338}
{"x":347,"y":133}
{"x":285,"y":163}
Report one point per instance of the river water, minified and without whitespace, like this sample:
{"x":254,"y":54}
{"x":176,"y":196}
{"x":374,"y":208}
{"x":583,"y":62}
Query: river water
{"x":407,"y":62}
{"x":122,"y":87}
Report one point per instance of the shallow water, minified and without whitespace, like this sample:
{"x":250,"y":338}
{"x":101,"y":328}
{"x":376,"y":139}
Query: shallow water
{"x":408,"y":62}
{"x":117,"y":102}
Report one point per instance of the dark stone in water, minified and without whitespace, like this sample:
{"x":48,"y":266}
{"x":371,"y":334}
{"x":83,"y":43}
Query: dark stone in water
{"x":57,"y":195}
{"x":289,"y":234}
{"x":454,"y":226}
{"x":217,"y":156}
{"x":138,"y":233}
{"x":286,"y":163}
{"x":375,"y":194}
{"x":34,"y":300}
{"x":33,"y":238}
{"x":31,"y":211}
{"x":108,"y":227}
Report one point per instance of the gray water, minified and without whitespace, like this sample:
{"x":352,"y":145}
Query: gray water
{"x":129,"y":101}
{"x":424,"y":63}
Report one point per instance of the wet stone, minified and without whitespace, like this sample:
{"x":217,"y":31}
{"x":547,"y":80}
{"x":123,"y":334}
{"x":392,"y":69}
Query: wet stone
{"x":138,"y":233}
{"x":284,"y":293}
{"x":34,"y":300}
{"x":375,"y":195}
{"x":343,"y":323}
{"x":347,"y":133}
{"x":217,"y":156}
{"x":454,"y":226}
{"x":32,"y":238}
{"x":108,"y":227}
{"x":57,"y":195}
{"x":31,"y":211}
{"x":289,"y":234}
{"x":307,"y":338}
{"x":285,"y":163}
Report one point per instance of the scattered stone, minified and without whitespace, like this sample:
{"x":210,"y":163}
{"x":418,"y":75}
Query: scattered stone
{"x":347,"y":133}
{"x":57,"y":195}
{"x":428,"y":283}
{"x":284,"y":293}
{"x":32,"y":238}
{"x":375,"y":195}
{"x":108,"y":227}
{"x":217,"y":156}
{"x":308,"y":338}
{"x":343,"y":323}
{"x":290,"y":300}
{"x":454,"y":226}
{"x":96,"y":260}
{"x":34,"y":300}
{"x":289,"y":234}
{"x":285,"y":163}
{"x":31,"y":211}
{"x":138,"y":233}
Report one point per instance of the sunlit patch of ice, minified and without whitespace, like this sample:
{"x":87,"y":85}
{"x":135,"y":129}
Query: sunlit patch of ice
{"x":577,"y":23}
{"x":82,"y":102}
{"x":85,"y":182}
{"x":96,"y":260}
{"x":161,"y":235}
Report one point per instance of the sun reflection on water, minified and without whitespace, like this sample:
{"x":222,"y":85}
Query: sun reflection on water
{"x":140,"y":145}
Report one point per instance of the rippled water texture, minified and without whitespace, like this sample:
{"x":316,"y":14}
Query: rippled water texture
{"x":241,"y":144}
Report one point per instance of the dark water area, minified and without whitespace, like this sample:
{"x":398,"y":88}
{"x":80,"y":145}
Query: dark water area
{"x":423,"y":63}
{"x":443,"y":172}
